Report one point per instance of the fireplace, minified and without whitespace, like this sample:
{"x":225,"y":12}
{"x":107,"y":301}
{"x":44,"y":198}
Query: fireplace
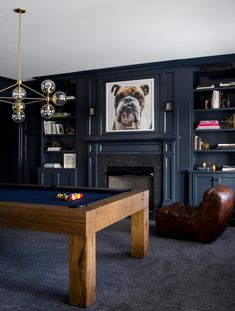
{"x":133,"y":171}
{"x":133,"y":178}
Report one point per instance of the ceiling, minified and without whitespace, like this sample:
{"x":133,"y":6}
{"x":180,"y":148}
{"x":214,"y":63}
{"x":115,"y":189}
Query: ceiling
{"x":60,"y":36}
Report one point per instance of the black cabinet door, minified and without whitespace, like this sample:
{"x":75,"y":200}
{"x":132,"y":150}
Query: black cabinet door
{"x":199,"y":183}
{"x":228,"y":180}
{"x":58,"y":177}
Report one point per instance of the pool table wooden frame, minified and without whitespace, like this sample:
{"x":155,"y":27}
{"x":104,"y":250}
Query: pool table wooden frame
{"x":81,"y":224}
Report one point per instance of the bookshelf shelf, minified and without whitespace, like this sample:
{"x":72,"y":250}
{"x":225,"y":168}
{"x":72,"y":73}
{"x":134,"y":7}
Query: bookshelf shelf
{"x":215,"y":110}
{"x":219,"y":88}
{"x":59,"y":135}
{"x":215,"y":130}
{"x":61,"y":151}
{"x":214,"y":151}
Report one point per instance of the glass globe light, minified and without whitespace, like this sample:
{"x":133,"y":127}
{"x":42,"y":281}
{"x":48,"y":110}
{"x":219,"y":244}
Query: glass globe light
{"x":47,"y":111}
{"x":48,"y":86}
{"x":18,"y":105}
{"x":18,"y":116}
{"x":59,"y":98}
{"x":19,"y":93}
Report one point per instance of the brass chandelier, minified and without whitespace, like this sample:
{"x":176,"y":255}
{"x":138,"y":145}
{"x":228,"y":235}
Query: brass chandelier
{"x":19,"y":99}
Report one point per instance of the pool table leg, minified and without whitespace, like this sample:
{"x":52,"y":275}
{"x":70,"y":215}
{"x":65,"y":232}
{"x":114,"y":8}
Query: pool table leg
{"x":140,"y":233}
{"x":82,"y":270}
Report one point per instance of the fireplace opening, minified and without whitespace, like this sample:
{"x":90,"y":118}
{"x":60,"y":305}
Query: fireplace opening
{"x":132,"y":177}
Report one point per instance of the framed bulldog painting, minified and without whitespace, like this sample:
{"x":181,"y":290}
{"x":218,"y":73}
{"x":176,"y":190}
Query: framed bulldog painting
{"x":130,"y":105}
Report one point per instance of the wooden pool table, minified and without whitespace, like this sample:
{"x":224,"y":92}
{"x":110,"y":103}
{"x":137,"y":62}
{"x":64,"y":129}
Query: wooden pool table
{"x":36,"y":207}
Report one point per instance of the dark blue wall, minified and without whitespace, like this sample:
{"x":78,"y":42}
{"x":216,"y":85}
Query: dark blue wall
{"x":173,"y":82}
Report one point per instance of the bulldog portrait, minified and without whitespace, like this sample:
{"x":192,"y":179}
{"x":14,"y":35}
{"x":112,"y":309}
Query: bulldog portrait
{"x":129,"y":106}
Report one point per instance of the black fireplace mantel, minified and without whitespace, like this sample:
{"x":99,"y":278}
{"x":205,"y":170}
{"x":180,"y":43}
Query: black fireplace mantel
{"x":159,"y":154}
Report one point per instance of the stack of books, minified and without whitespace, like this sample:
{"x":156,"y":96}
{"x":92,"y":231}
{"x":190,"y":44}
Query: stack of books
{"x":208,"y":125}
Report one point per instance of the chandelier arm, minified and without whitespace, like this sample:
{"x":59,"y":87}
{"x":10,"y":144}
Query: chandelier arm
{"x":6,"y":88}
{"x":36,"y":92}
{"x":34,"y":101}
{"x":6,"y":101}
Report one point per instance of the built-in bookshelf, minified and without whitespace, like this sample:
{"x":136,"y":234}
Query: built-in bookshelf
{"x":59,"y":146}
{"x":213,"y":115}
{"x":213,"y":132}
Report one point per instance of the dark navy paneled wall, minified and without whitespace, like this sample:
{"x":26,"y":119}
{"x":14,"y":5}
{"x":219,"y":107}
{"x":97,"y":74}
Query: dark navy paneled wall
{"x":171,"y":138}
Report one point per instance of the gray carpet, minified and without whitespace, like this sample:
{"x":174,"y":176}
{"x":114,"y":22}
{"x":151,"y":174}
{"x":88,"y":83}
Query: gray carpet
{"x":176,"y":275}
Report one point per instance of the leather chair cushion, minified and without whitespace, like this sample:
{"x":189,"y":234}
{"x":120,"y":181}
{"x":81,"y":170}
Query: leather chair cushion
{"x":203,"y":222}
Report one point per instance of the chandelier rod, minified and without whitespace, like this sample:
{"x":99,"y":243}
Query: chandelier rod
{"x":19,"y":11}
{"x":19,"y":43}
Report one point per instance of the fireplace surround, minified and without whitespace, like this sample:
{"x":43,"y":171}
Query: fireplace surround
{"x":136,"y":165}
{"x":152,"y":163}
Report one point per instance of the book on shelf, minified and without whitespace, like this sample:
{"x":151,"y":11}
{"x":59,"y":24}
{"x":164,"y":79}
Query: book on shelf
{"x":61,"y":114}
{"x":52,"y":165}
{"x":225,"y":146}
{"x":54,"y":128}
{"x":59,"y":129}
{"x":227,"y":83}
{"x":208,"y":124}
{"x":228,"y":168}
{"x":54,"y":148}
{"x":208,"y":127}
{"x":205,"y":86}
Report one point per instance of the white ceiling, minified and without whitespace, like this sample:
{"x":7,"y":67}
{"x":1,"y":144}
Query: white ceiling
{"x":61,"y":36}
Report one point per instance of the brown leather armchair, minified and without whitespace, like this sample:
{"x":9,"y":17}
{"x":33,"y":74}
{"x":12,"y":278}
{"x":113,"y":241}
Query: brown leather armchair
{"x":204,"y":222}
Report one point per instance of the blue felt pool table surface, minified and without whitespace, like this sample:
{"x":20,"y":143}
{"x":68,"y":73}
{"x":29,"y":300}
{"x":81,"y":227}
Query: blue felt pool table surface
{"x":47,"y":195}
